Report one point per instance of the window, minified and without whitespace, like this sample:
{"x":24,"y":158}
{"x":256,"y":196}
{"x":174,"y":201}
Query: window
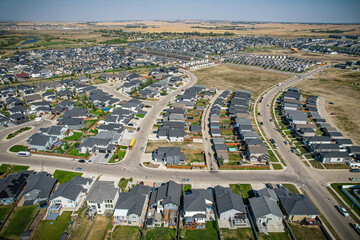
{"x":99,"y":205}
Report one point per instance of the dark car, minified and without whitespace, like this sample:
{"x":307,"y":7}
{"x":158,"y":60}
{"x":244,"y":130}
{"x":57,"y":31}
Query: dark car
{"x":138,"y":129}
{"x":261,"y":123}
{"x":269,"y":185}
{"x":354,"y":170}
{"x":81,"y":161}
{"x":331,"y":103}
{"x":106,"y":155}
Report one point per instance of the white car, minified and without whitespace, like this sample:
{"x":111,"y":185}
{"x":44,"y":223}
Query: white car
{"x":90,"y":162}
{"x":23,"y":154}
{"x":343,"y":211}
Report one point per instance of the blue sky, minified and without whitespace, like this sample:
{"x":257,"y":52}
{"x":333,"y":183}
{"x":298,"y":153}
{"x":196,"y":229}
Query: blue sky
{"x":326,"y":11}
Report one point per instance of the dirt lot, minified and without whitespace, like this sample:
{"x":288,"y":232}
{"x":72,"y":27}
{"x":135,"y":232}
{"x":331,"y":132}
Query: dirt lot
{"x":343,"y":88}
{"x":152,"y":145}
{"x":237,"y":77}
{"x":99,"y":228}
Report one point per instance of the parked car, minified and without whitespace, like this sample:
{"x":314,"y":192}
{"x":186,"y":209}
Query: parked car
{"x":286,"y":142}
{"x":23,"y":154}
{"x":106,"y":156}
{"x":272,"y":140}
{"x":331,"y":103}
{"x":276,"y":146}
{"x":292,"y":150}
{"x":130,"y":124}
{"x":155,"y":131}
{"x":141,"y":149}
{"x":356,"y":227}
{"x":332,"y":114}
{"x":90,"y":162}
{"x":354,"y":170}
{"x":279,"y":185}
{"x":270,"y":120}
{"x":353,"y":179}
{"x":185,"y":180}
{"x":261,"y":123}
{"x":269,"y":185}
{"x":79,"y":169}
{"x":259,"y":113}
{"x":138,"y":129}
{"x":342,"y":210}
{"x":81,"y":161}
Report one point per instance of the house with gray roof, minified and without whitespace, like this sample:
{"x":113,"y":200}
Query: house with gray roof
{"x":131,"y":206}
{"x":39,"y":188}
{"x":334,"y":157}
{"x":196,"y":204}
{"x":230,"y":208}
{"x":94,"y":144}
{"x":258,"y":154}
{"x":68,"y":196}
{"x":41,"y":142}
{"x":298,"y":207}
{"x":102,"y":196}
{"x":55,"y":131}
{"x":72,"y":123}
{"x":167,"y":196}
{"x":12,"y":186}
{"x":169,"y":155}
{"x":266,"y":214}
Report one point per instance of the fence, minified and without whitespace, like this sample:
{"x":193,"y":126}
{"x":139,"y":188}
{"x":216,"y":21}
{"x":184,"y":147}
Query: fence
{"x":245,"y":167}
{"x":186,"y":167}
{"x":59,"y":155}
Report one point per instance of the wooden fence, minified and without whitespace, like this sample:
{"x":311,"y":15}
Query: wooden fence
{"x":245,"y":167}
{"x":186,"y":167}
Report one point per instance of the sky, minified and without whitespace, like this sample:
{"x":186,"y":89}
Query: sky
{"x":319,"y":11}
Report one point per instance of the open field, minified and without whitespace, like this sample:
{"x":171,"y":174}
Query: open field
{"x":152,"y":145}
{"x":226,"y":76}
{"x":342,"y":87}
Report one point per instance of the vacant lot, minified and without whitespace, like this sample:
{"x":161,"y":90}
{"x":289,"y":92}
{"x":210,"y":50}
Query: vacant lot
{"x":125,"y":232}
{"x":152,"y":145}
{"x":99,"y":228}
{"x":342,"y":87}
{"x":235,"y":77}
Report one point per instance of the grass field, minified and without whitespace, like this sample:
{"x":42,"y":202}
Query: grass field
{"x":14,"y":134}
{"x":207,"y":234}
{"x":18,"y":148}
{"x":52,"y":229}
{"x":337,"y":166}
{"x":277,"y":166}
{"x":342,"y":87}
{"x":125,"y":232}
{"x":82,"y":227}
{"x":291,"y":188}
{"x":74,"y":137}
{"x":244,"y":190}
{"x":237,"y":234}
{"x":123,"y":183}
{"x":316,"y":164}
{"x":161,"y":233}
{"x":235,"y":77}
{"x":194,"y":157}
{"x":20,"y":221}
{"x":65,"y":176}
{"x":7,"y":168}
{"x":274,"y":236}
{"x":303,"y":232}
{"x":4,"y":210}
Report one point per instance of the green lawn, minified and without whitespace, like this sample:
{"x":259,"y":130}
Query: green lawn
{"x":234,"y":157}
{"x":272,"y":156}
{"x":337,"y":166}
{"x":237,"y":234}
{"x":187,"y":187}
{"x":4,"y":210}
{"x":20,"y":221}
{"x":7,"y":168}
{"x":337,"y":188}
{"x":207,"y":234}
{"x":88,"y":124}
{"x":125,"y":232}
{"x":118,"y":156}
{"x":244,"y":190}
{"x":194,"y":157}
{"x":75,"y":152}
{"x":52,"y":229}
{"x":74,"y":137}
{"x":12,"y":135}
{"x":277,"y":166}
{"x":227,"y":132}
{"x":273,"y":236}
{"x":140,"y":115}
{"x":18,"y":148}
{"x":65,"y":176}
{"x":162,"y":233}
{"x":316,"y":164}
{"x":291,"y":188}
{"x":303,"y":232}
{"x":122,"y":183}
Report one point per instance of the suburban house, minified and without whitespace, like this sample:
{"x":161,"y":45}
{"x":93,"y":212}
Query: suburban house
{"x":298,"y":207}
{"x":39,"y":188}
{"x":12,"y":186}
{"x":72,"y":123}
{"x":68,"y":196}
{"x":131,"y":206}
{"x":195,"y":207}
{"x":258,"y":154}
{"x":41,"y":142}
{"x":94,"y":144}
{"x":230,"y":208}
{"x":266,"y":214}
{"x":334,"y":157}
{"x":102,"y":196}
{"x":55,"y":131}
{"x":169,"y":155}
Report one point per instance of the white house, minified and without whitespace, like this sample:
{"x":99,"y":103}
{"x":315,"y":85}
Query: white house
{"x":102,"y":196}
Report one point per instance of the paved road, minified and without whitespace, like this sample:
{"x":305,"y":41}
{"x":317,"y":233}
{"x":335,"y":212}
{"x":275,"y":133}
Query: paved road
{"x":314,"y":181}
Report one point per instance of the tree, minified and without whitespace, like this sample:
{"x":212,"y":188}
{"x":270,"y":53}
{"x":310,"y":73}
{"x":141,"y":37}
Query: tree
{"x":221,"y":161}
{"x":87,"y":152}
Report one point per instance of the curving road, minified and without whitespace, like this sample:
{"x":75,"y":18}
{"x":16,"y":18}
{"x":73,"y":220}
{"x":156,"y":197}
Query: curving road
{"x":314,"y":181}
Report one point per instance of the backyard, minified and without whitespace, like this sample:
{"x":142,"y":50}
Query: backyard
{"x":74,"y":137}
{"x":207,"y":234}
{"x":303,"y":232}
{"x":244,"y":190}
{"x":123,"y":183}
{"x":65,"y":176}
{"x":195,"y":157}
{"x":20,"y":221}
{"x":237,"y":234}
{"x":162,"y":233}
{"x":7,"y":168}
{"x":125,"y":232}
{"x":99,"y":228}
{"x":52,"y":229}
{"x":88,"y":124}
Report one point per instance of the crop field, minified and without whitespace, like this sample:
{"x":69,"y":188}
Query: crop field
{"x":228,"y":76}
{"x":342,"y":87}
